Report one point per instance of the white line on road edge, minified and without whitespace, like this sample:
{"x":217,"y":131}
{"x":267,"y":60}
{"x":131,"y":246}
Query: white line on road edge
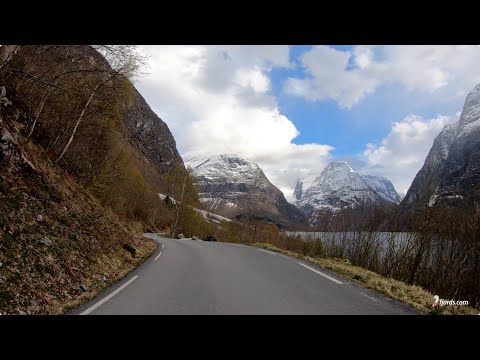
{"x":106,"y":298}
{"x":369,"y":297}
{"x":267,"y":251}
{"x":158,"y":256}
{"x":320,"y":273}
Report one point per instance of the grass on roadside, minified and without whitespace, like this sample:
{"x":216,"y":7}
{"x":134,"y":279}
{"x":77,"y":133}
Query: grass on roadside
{"x":413,"y":295}
{"x":114,"y":268}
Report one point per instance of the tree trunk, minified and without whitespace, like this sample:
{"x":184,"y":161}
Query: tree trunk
{"x":42,"y":104}
{"x":177,"y":207}
{"x":254,"y":232}
{"x":78,"y":123}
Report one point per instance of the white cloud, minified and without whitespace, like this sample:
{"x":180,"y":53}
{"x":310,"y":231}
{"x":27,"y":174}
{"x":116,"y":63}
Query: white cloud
{"x":216,"y":99}
{"x":348,"y":76}
{"x":401,"y":154}
{"x":330,"y":79}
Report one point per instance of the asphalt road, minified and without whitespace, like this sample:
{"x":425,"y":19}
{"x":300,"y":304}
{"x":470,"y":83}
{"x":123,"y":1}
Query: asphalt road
{"x":197,"y":277}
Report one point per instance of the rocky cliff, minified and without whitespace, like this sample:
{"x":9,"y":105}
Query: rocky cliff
{"x":451,"y":172}
{"x":237,"y":188}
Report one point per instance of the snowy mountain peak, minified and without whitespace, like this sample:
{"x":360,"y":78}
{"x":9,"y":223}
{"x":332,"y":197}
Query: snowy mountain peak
{"x":452,"y":166}
{"x":225,"y":166}
{"x":339,"y":167}
{"x":338,"y":187}
{"x":237,"y":188}
{"x":470,"y":117}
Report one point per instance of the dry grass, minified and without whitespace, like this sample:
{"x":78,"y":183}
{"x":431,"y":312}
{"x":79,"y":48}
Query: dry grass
{"x":87,"y":240}
{"x":114,"y":268}
{"x":415,"y":296}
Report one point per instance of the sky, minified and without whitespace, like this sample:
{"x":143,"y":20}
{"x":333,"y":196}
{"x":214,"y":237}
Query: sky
{"x":294,"y":109}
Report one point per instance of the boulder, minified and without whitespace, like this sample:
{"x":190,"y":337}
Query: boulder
{"x":45,"y":241}
{"x":130,"y":249}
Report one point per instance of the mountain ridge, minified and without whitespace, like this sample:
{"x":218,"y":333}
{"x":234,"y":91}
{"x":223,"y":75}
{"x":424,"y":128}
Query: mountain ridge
{"x":234,"y":187}
{"x":451,"y":171}
{"x":339,"y":187}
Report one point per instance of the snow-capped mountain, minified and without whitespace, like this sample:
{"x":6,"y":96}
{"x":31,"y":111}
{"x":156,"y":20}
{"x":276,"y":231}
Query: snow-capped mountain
{"x":451,"y":172}
{"x":305,"y":183}
{"x":237,"y":188}
{"x":383,"y":187}
{"x":339,"y":187}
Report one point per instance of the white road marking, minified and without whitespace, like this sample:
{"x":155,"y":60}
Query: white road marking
{"x":267,"y":251}
{"x":106,"y":298}
{"x":158,"y":256}
{"x":369,"y":297}
{"x":320,"y":273}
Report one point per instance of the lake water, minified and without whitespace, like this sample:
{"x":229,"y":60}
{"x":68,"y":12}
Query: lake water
{"x":352,"y":235}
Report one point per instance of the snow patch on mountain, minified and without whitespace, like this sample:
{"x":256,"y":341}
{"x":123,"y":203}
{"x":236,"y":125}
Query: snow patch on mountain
{"x":238,"y":188}
{"x":383,"y":187}
{"x":338,"y":187}
{"x":452,"y":163}
{"x":229,"y":167}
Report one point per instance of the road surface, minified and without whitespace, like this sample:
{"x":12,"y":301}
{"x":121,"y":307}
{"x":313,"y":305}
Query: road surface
{"x":198,"y":277}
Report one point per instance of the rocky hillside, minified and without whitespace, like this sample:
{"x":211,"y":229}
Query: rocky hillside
{"x":237,"y":188}
{"x":82,"y":158}
{"x":451,"y":172}
{"x":58,"y":245}
{"x":73,"y":69}
{"x":339,"y":187}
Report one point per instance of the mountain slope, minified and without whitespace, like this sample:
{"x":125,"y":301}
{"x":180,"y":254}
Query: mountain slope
{"x":237,"y":188}
{"x":451,"y":172}
{"x":69,"y":226}
{"x":339,"y":187}
{"x":383,"y":187}
{"x":150,"y":135}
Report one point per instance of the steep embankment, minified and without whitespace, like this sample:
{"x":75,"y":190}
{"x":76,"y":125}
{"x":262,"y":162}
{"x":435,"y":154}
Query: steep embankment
{"x":58,"y":246}
{"x":70,"y":225}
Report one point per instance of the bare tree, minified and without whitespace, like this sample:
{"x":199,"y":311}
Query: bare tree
{"x":123,"y":60}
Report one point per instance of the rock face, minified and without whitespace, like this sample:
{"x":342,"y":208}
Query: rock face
{"x":383,"y":187}
{"x":150,"y":135}
{"x":339,"y":187}
{"x":145,"y":130}
{"x":451,"y":172}
{"x":237,"y":188}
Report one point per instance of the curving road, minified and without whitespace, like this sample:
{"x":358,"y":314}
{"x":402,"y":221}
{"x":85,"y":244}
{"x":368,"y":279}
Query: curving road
{"x":197,"y":277}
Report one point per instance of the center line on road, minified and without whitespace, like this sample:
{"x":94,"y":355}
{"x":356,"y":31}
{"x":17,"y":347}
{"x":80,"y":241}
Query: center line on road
{"x":267,"y":251}
{"x":106,"y":298}
{"x":160,"y":253}
{"x":320,"y":273}
{"x":369,"y":297}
